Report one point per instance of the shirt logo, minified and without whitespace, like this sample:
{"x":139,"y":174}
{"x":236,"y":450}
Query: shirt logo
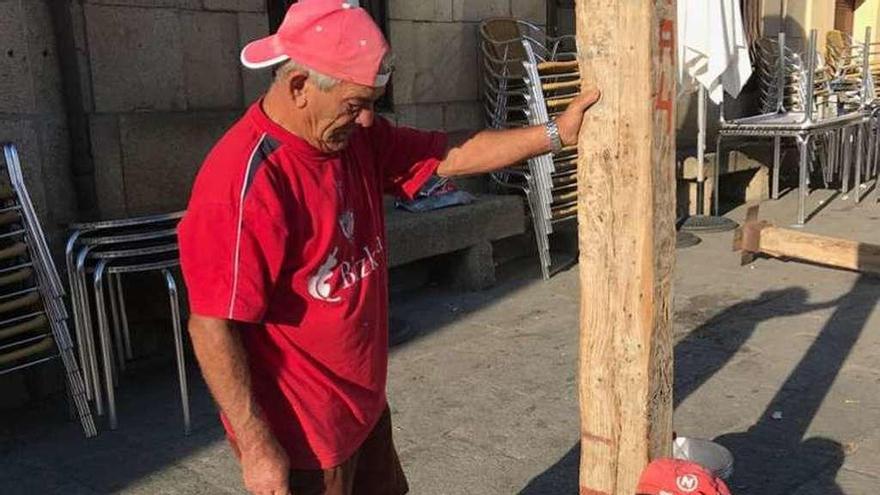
{"x":335,"y":274}
{"x":687,"y":483}
{"x":346,"y":225}
{"x":319,"y":283}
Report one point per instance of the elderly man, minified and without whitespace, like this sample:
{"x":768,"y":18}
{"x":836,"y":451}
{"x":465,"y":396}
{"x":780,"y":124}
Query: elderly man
{"x":283,"y":252}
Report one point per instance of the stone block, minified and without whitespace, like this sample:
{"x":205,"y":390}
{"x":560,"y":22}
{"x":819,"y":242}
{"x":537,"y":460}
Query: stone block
{"x":473,"y":268}
{"x":430,"y":10}
{"x":161,"y":4}
{"x":530,"y":10}
{"x":236,"y":5}
{"x":86,"y":196}
{"x":80,"y":37}
{"x":254,"y":82}
{"x":758,"y":188}
{"x":16,"y":80}
{"x":108,"y":180}
{"x":22,"y":133}
{"x":54,"y":140}
{"x":463,"y":116}
{"x":136,"y":58}
{"x":469,"y":10}
{"x":565,"y":19}
{"x":688,"y":194}
{"x":161,"y":154}
{"x":436,"y":62}
{"x":428,"y":116}
{"x":415,"y":236}
{"x":737,"y":161}
{"x":43,"y":55}
{"x":210,"y":60}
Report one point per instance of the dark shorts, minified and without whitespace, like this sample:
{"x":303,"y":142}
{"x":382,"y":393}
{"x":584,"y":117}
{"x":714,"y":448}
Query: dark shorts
{"x":373,"y":470}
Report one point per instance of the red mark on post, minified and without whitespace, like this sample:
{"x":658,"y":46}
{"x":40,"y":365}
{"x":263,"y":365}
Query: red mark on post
{"x":666,"y":45}
{"x":667,"y":38}
{"x":589,"y":491}
{"x":595,"y":438}
{"x":663,"y":101}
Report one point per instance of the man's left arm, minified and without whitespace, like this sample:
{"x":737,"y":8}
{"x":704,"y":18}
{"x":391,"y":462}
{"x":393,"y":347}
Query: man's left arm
{"x":493,"y":149}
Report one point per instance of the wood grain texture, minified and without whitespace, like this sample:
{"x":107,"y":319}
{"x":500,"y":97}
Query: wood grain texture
{"x":626,"y":180}
{"x":830,"y":251}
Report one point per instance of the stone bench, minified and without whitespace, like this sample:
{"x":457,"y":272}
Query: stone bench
{"x":467,"y":231}
{"x":747,"y":157}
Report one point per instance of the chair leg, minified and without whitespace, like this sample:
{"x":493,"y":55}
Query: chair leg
{"x":89,"y":334}
{"x":81,"y":347}
{"x":123,"y":313}
{"x":116,"y":323}
{"x":178,"y":347}
{"x":716,"y":187}
{"x":847,"y":160}
{"x":777,"y":165}
{"x":803,"y":149}
{"x":858,"y":168}
{"x":104,"y":335}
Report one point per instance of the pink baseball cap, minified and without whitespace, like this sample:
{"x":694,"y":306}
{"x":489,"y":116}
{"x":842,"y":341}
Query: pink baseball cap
{"x":334,"y":37}
{"x":677,"y":477}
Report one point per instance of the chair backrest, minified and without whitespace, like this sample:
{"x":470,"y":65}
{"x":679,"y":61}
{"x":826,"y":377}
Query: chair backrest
{"x":501,"y":40}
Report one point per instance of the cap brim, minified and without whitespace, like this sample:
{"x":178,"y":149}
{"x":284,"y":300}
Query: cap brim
{"x":262,"y":53}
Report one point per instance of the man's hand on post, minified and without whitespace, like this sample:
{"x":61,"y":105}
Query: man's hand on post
{"x":265,"y":467}
{"x":569,"y":122}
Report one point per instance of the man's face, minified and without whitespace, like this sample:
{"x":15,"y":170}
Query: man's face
{"x":339,"y":111}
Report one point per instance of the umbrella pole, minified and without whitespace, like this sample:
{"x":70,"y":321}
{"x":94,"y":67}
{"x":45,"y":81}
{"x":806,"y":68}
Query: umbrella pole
{"x":701,"y":151}
{"x":703,"y":222}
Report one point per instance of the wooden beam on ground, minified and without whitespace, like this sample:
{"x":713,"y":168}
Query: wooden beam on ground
{"x":626,"y":216}
{"x":757,"y":237}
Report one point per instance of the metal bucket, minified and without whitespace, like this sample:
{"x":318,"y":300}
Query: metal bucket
{"x":712,"y":456}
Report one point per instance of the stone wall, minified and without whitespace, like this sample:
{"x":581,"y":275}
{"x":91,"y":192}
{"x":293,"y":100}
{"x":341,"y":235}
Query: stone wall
{"x":160,"y":82}
{"x":32,"y":114}
{"x":436,"y":42}
{"x":117,"y":123}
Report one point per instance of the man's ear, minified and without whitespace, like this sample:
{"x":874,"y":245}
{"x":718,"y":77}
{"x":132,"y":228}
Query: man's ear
{"x":296,"y":86}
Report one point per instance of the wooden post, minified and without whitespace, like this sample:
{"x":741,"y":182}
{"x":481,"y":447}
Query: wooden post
{"x":626,"y":214}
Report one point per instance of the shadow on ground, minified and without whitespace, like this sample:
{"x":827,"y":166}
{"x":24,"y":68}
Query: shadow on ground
{"x":43,"y":451}
{"x":772,"y":457}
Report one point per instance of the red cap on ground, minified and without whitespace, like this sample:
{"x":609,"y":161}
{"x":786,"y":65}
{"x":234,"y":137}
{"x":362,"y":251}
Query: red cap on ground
{"x":677,"y":477}
{"x":334,"y":37}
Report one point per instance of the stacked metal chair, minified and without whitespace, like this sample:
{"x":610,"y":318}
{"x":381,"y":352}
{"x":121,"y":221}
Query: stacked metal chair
{"x":527,"y":78}
{"x":33,"y":318}
{"x":803,"y":100}
{"x":98,"y":255}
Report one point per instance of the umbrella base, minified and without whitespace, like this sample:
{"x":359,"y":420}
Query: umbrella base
{"x":684,"y":240}
{"x":708,"y":224}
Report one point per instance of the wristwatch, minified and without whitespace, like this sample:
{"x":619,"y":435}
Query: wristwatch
{"x":552,"y":131}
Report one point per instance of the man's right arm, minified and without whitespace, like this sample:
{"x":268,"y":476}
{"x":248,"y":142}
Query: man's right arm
{"x":223,"y":360}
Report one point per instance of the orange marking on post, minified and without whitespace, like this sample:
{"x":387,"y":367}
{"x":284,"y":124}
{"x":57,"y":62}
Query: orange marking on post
{"x":667,"y":38}
{"x":589,"y":491}
{"x":663,"y":102}
{"x":595,"y":438}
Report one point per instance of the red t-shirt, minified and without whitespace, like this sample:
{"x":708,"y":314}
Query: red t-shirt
{"x":290,"y":243}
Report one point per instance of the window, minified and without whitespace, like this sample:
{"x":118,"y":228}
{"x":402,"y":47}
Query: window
{"x":376,"y":8}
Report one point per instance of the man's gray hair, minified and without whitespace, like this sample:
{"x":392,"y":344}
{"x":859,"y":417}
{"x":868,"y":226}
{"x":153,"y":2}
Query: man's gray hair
{"x":322,"y":81}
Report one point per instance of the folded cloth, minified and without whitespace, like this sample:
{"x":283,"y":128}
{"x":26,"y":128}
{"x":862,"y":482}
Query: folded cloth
{"x":437,"y":193}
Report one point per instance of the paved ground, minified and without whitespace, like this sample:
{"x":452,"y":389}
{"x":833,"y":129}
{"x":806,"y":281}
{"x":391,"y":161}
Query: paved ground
{"x":484,"y":398}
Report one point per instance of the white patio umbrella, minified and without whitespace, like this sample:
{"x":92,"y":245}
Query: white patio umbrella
{"x":713,"y":57}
